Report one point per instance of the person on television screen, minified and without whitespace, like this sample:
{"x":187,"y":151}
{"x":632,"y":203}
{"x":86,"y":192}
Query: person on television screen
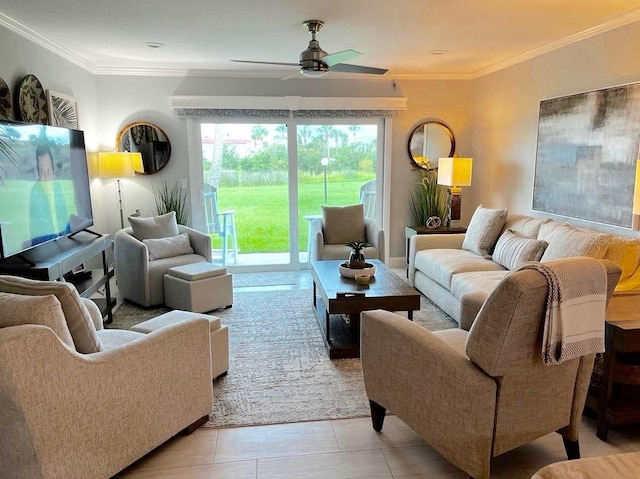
{"x":48,"y":216}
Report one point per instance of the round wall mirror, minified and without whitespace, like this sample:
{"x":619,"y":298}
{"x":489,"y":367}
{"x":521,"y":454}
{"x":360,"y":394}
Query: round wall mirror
{"x":429,"y":141}
{"x":149,"y":140}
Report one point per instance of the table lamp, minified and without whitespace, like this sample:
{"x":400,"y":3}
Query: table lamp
{"x":118,"y":164}
{"x":454,"y":173}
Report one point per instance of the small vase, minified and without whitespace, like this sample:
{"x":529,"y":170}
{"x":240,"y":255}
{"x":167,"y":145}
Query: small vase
{"x":356,"y":260}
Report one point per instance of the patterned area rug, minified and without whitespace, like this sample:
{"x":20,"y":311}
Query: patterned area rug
{"x":279,"y":369}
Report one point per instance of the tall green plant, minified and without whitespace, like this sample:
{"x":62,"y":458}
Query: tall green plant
{"x":430,"y":199}
{"x":173,"y":198}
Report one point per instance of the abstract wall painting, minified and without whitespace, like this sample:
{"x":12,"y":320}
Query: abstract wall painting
{"x":63,"y":110}
{"x":586,"y":155}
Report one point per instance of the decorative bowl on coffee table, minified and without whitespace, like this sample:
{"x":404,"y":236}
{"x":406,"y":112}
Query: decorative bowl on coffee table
{"x":347,"y":272}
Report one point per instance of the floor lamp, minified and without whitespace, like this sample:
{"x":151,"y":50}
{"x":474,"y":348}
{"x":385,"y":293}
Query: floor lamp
{"x":454,"y":173}
{"x":118,"y":165}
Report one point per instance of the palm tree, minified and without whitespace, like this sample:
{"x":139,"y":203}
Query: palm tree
{"x":258,"y":132}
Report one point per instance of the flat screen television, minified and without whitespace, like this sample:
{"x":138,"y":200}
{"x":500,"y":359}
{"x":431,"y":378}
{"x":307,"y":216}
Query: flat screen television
{"x":44,"y":185}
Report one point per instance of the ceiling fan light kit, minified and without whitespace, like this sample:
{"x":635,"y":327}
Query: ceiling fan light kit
{"x":314,"y":62}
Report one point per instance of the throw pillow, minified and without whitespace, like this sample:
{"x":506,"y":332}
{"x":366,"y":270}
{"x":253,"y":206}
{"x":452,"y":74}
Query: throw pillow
{"x":566,"y":241}
{"x":18,"y":309}
{"x":75,"y":312}
{"x":483,"y":231}
{"x":154,"y":227}
{"x":512,"y":250}
{"x":168,"y":247}
{"x":343,"y":224}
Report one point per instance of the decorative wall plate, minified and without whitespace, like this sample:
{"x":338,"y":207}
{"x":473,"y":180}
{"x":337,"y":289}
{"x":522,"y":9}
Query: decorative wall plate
{"x":6,"y":103}
{"x":33,"y":101}
{"x":63,"y":110}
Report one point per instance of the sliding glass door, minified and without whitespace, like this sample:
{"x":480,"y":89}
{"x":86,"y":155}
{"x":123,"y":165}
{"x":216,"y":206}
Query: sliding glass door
{"x":263,"y":183}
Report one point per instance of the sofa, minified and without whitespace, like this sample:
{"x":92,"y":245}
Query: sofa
{"x":458,"y":271}
{"x":79,"y":401}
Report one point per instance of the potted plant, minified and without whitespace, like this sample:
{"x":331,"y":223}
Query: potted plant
{"x":172,"y":198}
{"x":356,"y":257}
{"x":431,"y":199}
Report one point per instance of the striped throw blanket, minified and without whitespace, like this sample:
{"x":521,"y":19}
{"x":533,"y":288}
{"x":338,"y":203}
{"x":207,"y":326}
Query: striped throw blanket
{"x":574,"y":319}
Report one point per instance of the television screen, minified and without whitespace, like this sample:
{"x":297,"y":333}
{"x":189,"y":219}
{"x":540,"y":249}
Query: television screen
{"x":44,"y":185}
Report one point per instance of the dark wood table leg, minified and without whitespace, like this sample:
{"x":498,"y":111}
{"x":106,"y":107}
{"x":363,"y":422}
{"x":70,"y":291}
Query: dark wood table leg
{"x":607,"y":387}
{"x":410,"y":315}
{"x":314,"y":293}
{"x":328,"y":326}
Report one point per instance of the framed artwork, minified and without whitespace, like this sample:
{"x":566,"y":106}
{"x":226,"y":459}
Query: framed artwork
{"x":586,"y":155}
{"x":63,"y":110}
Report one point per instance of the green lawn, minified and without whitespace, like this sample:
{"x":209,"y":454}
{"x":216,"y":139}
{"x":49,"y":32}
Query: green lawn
{"x":262,"y":212}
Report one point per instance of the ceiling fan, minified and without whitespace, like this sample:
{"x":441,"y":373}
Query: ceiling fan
{"x":315,"y":62}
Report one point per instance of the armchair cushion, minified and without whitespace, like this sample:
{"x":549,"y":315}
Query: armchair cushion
{"x":343,"y":224}
{"x":168,"y":247}
{"x":155,"y":227}
{"x":75,"y":312}
{"x":17,"y":309}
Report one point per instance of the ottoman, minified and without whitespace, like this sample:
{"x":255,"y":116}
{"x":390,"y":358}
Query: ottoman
{"x":198,"y":287}
{"x":219,"y":336}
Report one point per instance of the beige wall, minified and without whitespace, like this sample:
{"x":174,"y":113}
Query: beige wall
{"x":504,"y":118}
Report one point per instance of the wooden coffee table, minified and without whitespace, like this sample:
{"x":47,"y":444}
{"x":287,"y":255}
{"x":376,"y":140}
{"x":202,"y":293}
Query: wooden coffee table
{"x":339,"y":315}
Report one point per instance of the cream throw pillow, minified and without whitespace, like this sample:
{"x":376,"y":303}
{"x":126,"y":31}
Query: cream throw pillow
{"x":18,"y":309}
{"x":75,"y":312}
{"x":512,"y":250}
{"x":343,"y":224}
{"x":483,"y":230}
{"x":154,"y":227}
{"x":566,"y":241}
{"x":168,"y":247}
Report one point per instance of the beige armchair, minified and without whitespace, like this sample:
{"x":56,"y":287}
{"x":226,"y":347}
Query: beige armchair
{"x":141,"y":279}
{"x":340,"y":225}
{"x":66,"y":413}
{"x":475,"y":395}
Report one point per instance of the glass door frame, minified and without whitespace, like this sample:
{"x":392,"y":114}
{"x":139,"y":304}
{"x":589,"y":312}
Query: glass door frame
{"x":196,"y":175}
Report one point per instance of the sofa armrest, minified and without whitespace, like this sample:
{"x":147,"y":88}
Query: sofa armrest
{"x":316,"y":240}
{"x":200,"y":242}
{"x":374,"y":235}
{"x":131,"y":258}
{"x":159,"y":384}
{"x":435,"y":241}
{"x":428,"y":384}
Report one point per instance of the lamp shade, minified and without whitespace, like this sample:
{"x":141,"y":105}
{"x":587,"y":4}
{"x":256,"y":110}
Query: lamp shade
{"x":454,"y":171}
{"x":116,"y":164}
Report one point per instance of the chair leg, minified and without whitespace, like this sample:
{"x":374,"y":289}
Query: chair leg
{"x":377,"y":415}
{"x":572,"y":448}
{"x":234,"y":241}
{"x":192,"y":427}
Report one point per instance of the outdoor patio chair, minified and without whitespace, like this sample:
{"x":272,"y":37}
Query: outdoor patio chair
{"x":368,"y":198}
{"x":221,"y":223}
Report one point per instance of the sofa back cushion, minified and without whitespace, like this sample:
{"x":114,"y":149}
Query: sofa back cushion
{"x":343,"y":224}
{"x":526,"y":226}
{"x":18,"y":309}
{"x":154,"y":227}
{"x":75,"y":312}
{"x":566,"y":241}
{"x":483,"y":231}
{"x":512,"y":250}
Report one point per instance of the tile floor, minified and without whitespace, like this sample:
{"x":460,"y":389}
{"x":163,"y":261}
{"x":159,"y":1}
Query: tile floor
{"x":347,"y":448}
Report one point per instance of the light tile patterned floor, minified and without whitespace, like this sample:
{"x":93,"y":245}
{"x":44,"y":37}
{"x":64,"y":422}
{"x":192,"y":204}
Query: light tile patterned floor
{"x":347,"y":448}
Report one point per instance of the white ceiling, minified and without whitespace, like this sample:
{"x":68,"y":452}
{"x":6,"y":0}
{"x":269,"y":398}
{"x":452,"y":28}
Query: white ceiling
{"x":201,"y":36}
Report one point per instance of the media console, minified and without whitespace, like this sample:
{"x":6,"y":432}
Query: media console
{"x":54,"y":260}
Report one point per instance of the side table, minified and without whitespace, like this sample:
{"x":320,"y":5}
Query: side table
{"x":410,"y":231}
{"x":622,"y":337}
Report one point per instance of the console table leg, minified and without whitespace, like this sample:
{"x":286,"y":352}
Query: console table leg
{"x":327,"y":326}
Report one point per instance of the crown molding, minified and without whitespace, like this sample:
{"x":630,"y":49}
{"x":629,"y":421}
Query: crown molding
{"x":33,"y":36}
{"x":148,"y":72}
{"x":616,"y":22}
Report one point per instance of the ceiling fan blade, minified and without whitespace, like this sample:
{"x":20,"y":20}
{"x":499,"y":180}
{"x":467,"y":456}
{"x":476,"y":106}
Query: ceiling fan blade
{"x":268,"y":63}
{"x":347,"y":68}
{"x":339,"y":57}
